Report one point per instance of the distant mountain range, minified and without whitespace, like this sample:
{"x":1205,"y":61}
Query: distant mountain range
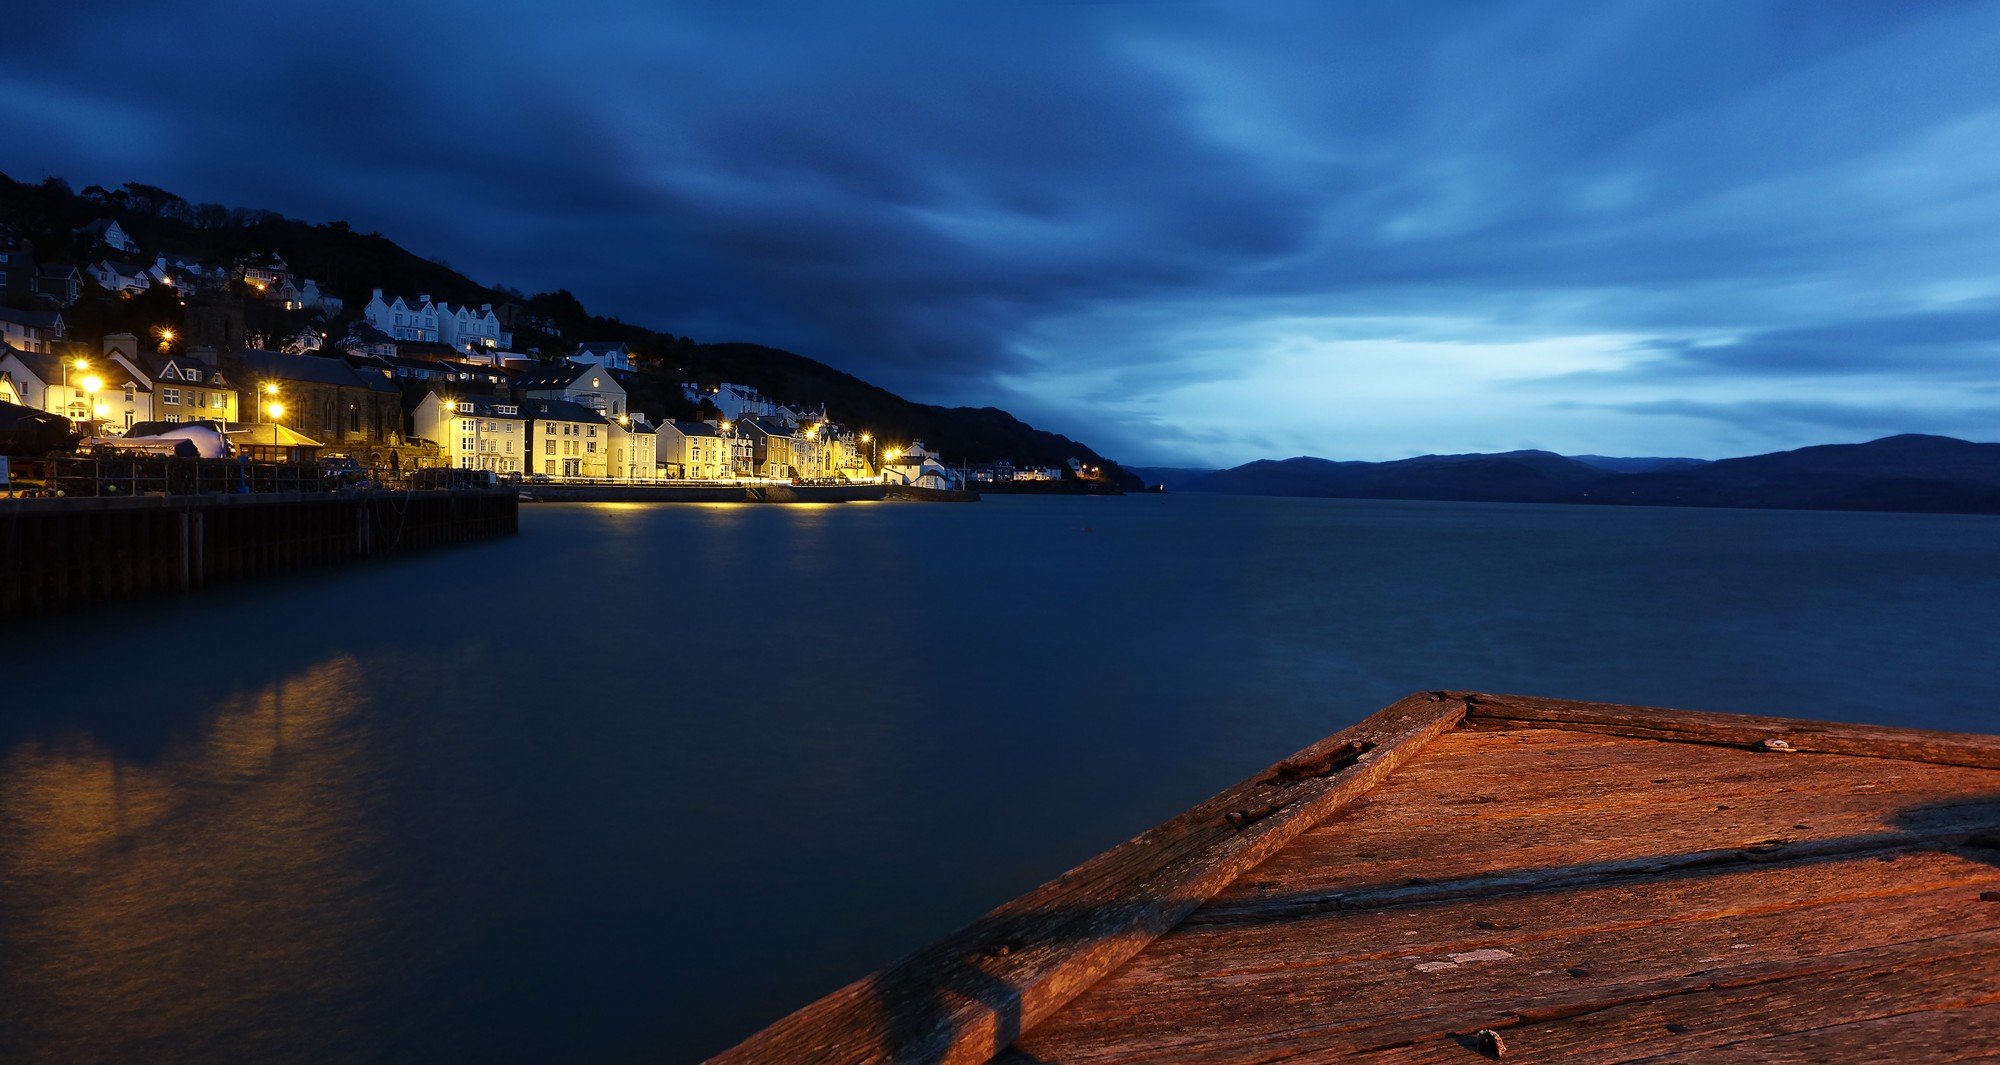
{"x":1901,"y":473}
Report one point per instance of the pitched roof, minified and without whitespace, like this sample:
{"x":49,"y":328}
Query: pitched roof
{"x":316,"y":369}
{"x":486,"y":406}
{"x":560,"y":410}
{"x":31,"y":319}
{"x":695,"y":428}
{"x":552,"y":375}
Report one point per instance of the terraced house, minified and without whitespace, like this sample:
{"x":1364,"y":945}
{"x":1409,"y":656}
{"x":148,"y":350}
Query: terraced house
{"x":567,"y":439}
{"x":475,"y":432}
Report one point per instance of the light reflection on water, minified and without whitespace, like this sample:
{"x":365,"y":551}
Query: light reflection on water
{"x":633,"y":784}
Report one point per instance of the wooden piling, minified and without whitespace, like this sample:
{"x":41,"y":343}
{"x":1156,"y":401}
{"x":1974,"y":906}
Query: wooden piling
{"x":60,"y":553}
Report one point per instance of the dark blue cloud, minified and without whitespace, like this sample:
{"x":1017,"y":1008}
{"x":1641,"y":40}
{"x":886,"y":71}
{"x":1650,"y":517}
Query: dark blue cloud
{"x":1138,"y":223}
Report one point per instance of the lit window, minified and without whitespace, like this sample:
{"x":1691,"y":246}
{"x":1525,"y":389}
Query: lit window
{"x":170,"y":395}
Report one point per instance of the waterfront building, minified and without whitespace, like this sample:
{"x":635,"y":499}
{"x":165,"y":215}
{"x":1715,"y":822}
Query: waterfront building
{"x":174,"y":388}
{"x":476,"y":432}
{"x":567,"y":439}
{"x":581,"y":383}
{"x":919,"y":467}
{"x":345,"y":408}
{"x":634,"y":449}
{"x":93,"y":393}
{"x":694,"y":451}
{"x":773,"y":445}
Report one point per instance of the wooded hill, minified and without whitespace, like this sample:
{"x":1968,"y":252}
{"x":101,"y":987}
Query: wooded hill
{"x":48,"y":216}
{"x":1912,"y":472}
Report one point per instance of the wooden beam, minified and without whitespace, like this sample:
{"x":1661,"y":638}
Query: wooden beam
{"x":967,"y":997}
{"x":1775,"y":734}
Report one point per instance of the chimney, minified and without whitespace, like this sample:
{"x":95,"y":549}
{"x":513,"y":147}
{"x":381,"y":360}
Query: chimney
{"x":421,"y":300}
{"x":378,"y":293}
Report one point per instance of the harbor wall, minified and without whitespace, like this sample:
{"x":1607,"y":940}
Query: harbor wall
{"x":63,"y":553}
{"x":703,"y":493}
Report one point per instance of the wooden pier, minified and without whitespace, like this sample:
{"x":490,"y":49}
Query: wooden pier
{"x":1469,"y":877}
{"x":62,"y":553}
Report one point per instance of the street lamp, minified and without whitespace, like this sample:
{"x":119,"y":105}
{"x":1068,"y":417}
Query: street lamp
{"x":90,"y":385}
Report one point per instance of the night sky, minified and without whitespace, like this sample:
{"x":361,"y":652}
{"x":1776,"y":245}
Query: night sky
{"x":1186,"y":233}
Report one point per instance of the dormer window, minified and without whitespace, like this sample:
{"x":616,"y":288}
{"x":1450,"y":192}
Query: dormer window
{"x":194,"y":375}
{"x":465,"y":407}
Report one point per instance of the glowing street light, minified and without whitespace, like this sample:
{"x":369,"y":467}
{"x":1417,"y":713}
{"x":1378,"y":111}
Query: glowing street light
{"x":277,"y":410}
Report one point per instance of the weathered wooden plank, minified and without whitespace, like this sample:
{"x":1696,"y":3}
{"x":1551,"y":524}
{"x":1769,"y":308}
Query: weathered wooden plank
{"x":1436,"y":822}
{"x":1736,"y":730}
{"x":1372,"y":982}
{"x":968,"y":996}
{"x":1895,"y":994}
{"x":1931,"y":1037}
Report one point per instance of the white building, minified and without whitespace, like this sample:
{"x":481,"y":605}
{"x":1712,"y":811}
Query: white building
{"x":567,"y":440}
{"x":735,"y":402}
{"x":610,"y":354}
{"x":581,"y":383}
{"x":634,"y":449}
{"x":694,"y":451}
{"x":476,"y":432}
{"x":403,"y":319}
{"x":116,"y":276}
{"x":472,"y":331}
{"x":918,"y":467}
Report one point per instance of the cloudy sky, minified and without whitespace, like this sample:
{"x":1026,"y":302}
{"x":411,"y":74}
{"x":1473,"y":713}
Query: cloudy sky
{"x":1188,"y":233}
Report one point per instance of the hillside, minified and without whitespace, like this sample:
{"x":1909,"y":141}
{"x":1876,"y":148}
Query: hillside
{"x":44,"y":219}
{"x":1900,"y":473}
{"x":1910,"y":472}
{"x":1515,"y":476}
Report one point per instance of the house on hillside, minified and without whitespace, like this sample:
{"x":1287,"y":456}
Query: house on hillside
{"x":110,"y":234}
{"x":403,"y":319}
{"x":116,"y":275}
{"x":610,"y":354}
{"x":31,"y":330}
{"x":467,"y":330}
{"x":263,"y":271}
{"x":185,"y":273}
{"x":17,"y":268}
{"x":733,"y":401}
{"x":58,"y":283}
{"x":582,"y":383}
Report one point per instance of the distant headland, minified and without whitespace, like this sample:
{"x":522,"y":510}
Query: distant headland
{"x":1911,"y":472}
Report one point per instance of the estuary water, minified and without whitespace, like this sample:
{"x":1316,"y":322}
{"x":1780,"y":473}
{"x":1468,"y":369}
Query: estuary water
{"x":636,"y":783}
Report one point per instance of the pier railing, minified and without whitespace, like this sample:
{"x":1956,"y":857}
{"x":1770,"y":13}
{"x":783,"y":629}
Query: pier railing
{"x":136,"y":476}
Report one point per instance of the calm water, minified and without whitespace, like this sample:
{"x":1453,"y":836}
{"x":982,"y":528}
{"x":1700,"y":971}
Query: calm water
{"x":636,"y":783}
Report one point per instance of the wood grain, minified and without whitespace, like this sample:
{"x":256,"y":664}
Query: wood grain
{"x":1735,"y":730}
{"x":1601,"y":867}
